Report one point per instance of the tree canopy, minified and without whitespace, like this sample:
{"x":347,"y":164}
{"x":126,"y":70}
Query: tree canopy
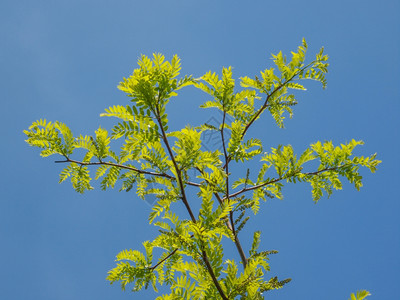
{"x":154,"y":160}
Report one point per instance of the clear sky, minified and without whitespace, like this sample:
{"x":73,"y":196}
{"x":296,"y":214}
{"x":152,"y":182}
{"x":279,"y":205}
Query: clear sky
{"x":62,"y":60}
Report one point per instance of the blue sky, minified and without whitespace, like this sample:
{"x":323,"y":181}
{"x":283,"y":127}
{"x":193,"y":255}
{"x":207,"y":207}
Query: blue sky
{"x":62,"y":60}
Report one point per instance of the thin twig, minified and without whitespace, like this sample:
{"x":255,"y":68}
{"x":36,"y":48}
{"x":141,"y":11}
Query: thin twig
{"x":164,"y":259}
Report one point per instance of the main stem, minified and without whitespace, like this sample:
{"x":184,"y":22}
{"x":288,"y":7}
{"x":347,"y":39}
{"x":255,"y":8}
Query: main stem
{"x":230,"y":222}
{"x":186,"y":203}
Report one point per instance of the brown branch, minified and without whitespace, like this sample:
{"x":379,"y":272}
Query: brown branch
{"x":186,"y":203}
{"x":230,"y":223}
{"x":282,"y":178}
{"x":177,"y":170}
{"x":265,"y":105}
{"x":326,"y":169}
{"x":123,"y":167}
{"x":214,"y":279}
{"x":225,"y":154}
{"x":164,"y":259}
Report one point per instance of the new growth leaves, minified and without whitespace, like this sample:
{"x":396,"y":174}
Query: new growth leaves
{"x":277,"y":86}
{"x":156,"y":161}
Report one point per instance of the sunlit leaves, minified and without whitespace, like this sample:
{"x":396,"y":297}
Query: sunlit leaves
{"x":101,"y":143}
{"x":79,"y":176}
{"x":276,"y":86}
{"x":256,"y":243}
{"x":53,"y":138}
{"x":187,"y":147}
{"x":139,"y":274}
{"x":121,"y":112}
{"x":154,"y":82}
{"x":159,"y":165}
{"x":360,"y":295}
{"x":334,"y":162}
{"x":250,"y":283}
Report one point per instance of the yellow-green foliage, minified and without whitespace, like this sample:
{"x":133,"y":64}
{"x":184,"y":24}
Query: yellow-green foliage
{"x":360,"y":295}
{"x":158,"y":162}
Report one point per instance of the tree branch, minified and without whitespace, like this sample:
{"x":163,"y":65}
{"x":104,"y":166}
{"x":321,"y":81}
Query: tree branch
{"x":186,"y":203}
{"x":123,"y":167}
{"x":282,"y":178}
{"x":230,"y":223}
{"x":214,"y":279}
{"x":177,"y":170}
{"x":265,"y":105}
{"x":164,"y":259}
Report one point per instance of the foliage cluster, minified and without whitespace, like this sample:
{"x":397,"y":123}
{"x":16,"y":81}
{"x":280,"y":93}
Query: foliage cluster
{"x":156,"y":161}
